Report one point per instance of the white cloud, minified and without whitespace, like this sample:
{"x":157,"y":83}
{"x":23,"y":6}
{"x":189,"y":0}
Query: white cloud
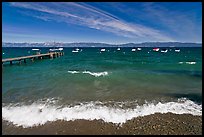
{"x":181,"y":24}
{"x":86,"y":15}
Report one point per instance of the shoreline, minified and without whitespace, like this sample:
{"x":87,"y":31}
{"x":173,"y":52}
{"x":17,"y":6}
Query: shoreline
{"x":155,"y":124}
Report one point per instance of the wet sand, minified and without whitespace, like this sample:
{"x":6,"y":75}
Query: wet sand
{"x":155,"y":124}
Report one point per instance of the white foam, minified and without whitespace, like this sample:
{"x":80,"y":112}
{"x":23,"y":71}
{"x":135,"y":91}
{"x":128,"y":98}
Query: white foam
{"x":73,"y":72}
{"x":38,"y":113}
{"x":95,"y":74}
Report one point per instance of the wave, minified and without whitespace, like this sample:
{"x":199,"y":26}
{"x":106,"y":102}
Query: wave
{"x":73,"y":72}
{"x":40,"y":113}
{"x":95,"y":74}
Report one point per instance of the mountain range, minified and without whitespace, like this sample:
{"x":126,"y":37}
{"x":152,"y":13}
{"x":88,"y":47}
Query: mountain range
{"x":83,"y":44}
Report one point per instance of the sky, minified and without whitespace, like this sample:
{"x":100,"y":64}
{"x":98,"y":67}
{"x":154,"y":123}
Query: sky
{"x":104,"y":22}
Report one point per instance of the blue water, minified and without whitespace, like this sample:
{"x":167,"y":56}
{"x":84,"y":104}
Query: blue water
{"x":110,"y":78}
{"x":131,"y":75}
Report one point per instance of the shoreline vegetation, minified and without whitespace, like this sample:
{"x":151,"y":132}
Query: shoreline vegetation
{"x":155,"y":124}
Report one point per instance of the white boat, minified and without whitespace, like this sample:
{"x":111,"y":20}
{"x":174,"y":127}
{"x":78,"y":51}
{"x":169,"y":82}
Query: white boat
{"x":36,"y":49}
{"x":133,"y":50}
{"x":164,"y":51}
{"x":177,"y":50}
{"x":118,"y":48}
{"x":60,"y":49}
{"x":53,"y":49}
{"x":103,"y":50}
{"x":75,"y":51}
{"x":139,"y":49}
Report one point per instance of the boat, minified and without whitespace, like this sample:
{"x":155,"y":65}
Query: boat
{"x":103,"y":50}
{"x":36,"y":49}
{"x":53,"y":49}
{"x":75,"y":51}
{"x":177,"y":50}
{"x":118,"y":48}
{"x":139,"y":49}
{"x":60,"y":49}
{"x":155,"y":49}
{"x":133,"y":50}
{"x":164,"y":50}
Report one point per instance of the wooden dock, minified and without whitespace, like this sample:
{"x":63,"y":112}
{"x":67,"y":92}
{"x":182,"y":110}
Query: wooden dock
{"x":33,"y":57}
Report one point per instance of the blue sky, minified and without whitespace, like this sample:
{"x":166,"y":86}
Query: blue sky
{"x":107,"y":22}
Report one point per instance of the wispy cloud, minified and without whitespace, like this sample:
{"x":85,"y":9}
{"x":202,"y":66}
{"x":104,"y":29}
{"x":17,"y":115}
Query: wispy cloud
{"x":180,"y":21}
{"x":181,"y":24}
{"x":92,"y":17}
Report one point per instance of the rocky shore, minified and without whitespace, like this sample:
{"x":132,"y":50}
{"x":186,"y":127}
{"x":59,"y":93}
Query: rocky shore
{"x":155,"y":124}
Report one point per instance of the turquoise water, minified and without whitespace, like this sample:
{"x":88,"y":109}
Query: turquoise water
{"x":131,"y":75}
{"x":110,"y":76}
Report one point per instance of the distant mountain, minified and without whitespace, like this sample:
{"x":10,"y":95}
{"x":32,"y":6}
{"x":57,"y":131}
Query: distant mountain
{"x":146,"y":44}
{"x":163,"y":44}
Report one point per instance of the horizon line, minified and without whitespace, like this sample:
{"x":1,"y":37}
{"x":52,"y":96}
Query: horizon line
{"x":109,"y":43}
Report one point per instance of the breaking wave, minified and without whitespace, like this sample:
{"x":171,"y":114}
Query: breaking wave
{"x":40,"y":113}
{"x":95,"y":74}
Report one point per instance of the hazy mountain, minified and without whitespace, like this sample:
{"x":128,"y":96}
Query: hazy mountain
{"x":146,"y":44}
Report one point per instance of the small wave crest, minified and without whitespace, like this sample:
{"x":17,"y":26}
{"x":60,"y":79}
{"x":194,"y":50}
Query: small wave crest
{"x":73,"y":72}
{"x":40,"y":113}
{"x":95,"y":74}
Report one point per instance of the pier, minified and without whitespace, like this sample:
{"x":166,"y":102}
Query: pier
{"x":33,"y":57}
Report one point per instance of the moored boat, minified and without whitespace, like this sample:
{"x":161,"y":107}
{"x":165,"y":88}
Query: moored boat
{"x":155,"y":49}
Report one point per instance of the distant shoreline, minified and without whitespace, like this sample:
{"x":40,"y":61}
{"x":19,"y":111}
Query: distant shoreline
{"x":147,"y":44}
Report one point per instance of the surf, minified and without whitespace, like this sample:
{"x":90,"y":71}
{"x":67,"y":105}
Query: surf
{"x":39,"y":113}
